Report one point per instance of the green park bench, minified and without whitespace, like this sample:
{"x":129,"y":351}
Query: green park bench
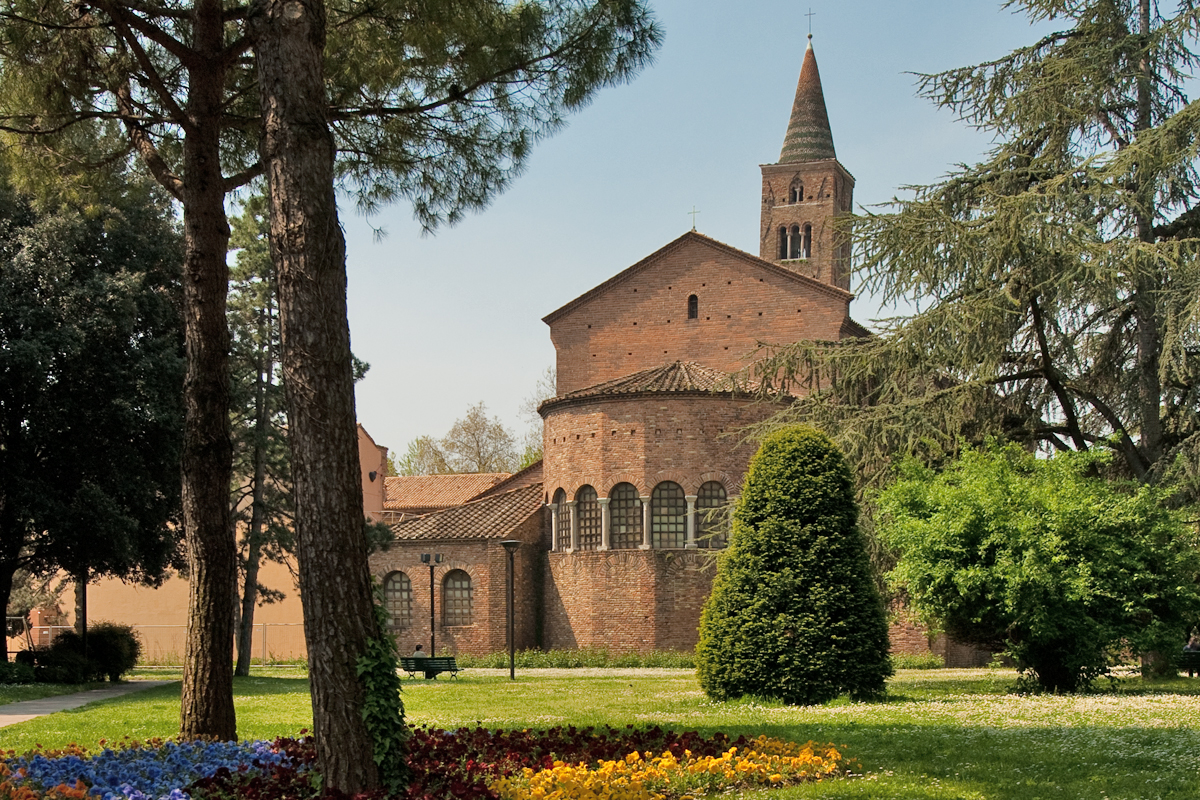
{"x":1190,"y":660}
{"x":430,"y":666}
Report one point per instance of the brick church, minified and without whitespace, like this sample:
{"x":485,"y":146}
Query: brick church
{"x":619,"y":522}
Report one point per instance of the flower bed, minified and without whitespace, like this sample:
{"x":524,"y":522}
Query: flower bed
{"x":468,"y":764}
{"x":133,"y":770}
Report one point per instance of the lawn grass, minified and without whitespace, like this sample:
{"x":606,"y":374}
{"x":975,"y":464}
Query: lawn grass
{"x":941,"y":735}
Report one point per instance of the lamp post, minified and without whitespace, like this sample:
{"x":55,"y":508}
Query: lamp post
{"x":510,"y":546}
{"x":431,"y":560}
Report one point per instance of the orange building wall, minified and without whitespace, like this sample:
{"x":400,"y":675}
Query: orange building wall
{"x":372,"y":461}
{"x":160,"y":615}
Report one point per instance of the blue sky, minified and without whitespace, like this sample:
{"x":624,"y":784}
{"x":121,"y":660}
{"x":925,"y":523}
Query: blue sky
{"x":452,"y":319}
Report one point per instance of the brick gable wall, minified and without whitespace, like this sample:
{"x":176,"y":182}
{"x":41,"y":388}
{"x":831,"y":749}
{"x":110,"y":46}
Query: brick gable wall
{"x":642,"y":322}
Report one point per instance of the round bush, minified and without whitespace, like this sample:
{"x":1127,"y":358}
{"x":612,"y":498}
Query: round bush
{"x":114,"y":648}
{"x":794,"y":614}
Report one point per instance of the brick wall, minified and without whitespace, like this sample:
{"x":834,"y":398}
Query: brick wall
{"x":486,"y":562}
{"x":641,"y":321}
{"x":626,"y":601}
{"x":689,"y":439}
{"x":907,"y":635}
{"x":828,"y":193}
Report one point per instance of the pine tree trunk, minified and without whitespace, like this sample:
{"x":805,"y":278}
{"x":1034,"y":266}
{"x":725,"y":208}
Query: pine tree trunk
{"x":7,"y":569}
{"x":254,"y":534}
{"x":207,"y":694}
{"x":1148,"y":278}
{"x":245,"y":634}
{"x":308,"y":250}
{"x":80,"y":580}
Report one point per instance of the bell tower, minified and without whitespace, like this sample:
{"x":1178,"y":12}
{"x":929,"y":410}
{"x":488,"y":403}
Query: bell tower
{"x":806,"y":190}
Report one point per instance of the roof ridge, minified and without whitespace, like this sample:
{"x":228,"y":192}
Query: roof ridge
{"x":680,"y":377}
{"x":491,"y":491}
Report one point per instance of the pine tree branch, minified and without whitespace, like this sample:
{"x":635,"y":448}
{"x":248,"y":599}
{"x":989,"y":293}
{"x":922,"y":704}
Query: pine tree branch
{"x":1185,"y":226}
{"x":145,"y":146}
{"x":457,"y":93}
{"x":245,"y":176}
{"x":1054,"y":378}
{"x":165,"y":96}
{"x":126,"y":20}
{"x":154,"y":10}
{"x":1128,"y":448}
{"x":49,"y":26}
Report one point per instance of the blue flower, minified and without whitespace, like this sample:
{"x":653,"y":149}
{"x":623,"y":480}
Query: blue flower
{"x":158,"y":773}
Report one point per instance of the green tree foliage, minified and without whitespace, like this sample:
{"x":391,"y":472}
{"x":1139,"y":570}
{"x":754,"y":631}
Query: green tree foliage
{"x":1056,"y":280}
{"x":262,"y":502}
{"x":438,"y":103}
{"x":794,"y":613}
{"x":1039,"y":559}
{"x":543,"y":390}
{"x":91,"y":355}
{"x":29,"y":592}
{"x":474,"y":443}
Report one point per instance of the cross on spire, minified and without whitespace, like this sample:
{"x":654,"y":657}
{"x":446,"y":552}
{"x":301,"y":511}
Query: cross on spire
{"x":693,"y":212}
{"x":810,"y":15}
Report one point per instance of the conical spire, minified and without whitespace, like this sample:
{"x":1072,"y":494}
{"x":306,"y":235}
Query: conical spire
{"x":808,"y":135}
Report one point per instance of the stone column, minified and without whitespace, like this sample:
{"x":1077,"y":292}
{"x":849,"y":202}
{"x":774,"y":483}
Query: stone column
{"x":603,"y":501}
{"x":645,"y":522}
{"x":691,"y":521}
{"x":553,"y":525}
{"x":570,"y":504}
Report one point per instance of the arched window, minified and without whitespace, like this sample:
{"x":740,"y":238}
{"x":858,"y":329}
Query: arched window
{"x":397,"y":600}
{"x":712,"y":518}
{"x":624,"y":517}
{"x":693,"y":307}
{"x":457,"y":599}
{"x":668,"y":516}
{"x":806,"y":246}
{"x":797,"y":193}
{"x":794,"y":242}
{"x":783,"y":242}
{"x":589,"y":518}
{"x":562,"y":532}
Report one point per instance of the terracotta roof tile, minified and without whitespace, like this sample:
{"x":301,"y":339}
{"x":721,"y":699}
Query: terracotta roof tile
{"x":426,"y":492}
{"x":495,"y":517}
{"x":808,"y":136}
{"x":526,"y":477}
{"x":680,"y":377}
{"x":854,"y":330}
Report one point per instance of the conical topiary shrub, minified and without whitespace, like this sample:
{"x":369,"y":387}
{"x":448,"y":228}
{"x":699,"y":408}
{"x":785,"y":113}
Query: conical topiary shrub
{"x":794,"y":614}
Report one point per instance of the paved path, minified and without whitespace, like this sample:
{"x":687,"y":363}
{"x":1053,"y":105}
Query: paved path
{"x":12,"y":713}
